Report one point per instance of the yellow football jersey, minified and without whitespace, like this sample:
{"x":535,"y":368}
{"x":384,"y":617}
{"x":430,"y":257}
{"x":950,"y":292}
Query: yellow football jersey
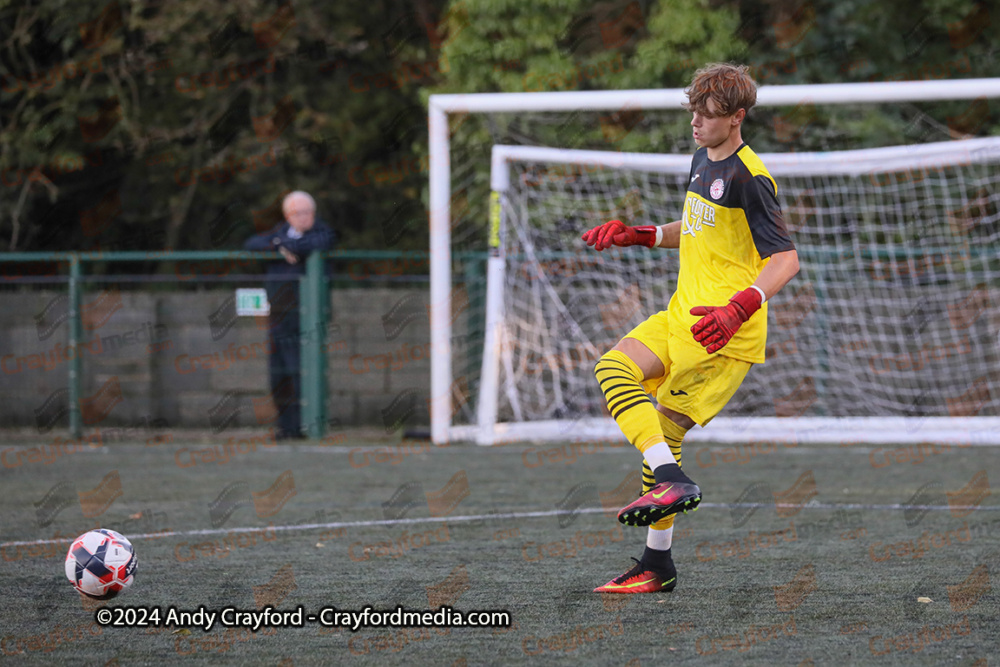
{"x":732,"y":223}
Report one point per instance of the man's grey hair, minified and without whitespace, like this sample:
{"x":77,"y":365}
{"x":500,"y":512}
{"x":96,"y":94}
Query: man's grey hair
{"x":298,"y":194}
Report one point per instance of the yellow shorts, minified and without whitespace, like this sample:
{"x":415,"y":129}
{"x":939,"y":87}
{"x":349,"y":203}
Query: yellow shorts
{"x":696,"y":384}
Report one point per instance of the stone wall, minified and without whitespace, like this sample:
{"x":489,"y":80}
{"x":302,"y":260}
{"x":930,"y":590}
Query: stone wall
{"x":172,"y":357}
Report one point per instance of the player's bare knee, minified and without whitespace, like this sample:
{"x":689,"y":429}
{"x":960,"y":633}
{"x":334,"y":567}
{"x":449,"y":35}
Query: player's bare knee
{"x":639,"y":354}
{"x":681,"y":420}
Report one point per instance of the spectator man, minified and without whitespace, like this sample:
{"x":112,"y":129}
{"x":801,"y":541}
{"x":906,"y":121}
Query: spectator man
{"x":294,"y":238}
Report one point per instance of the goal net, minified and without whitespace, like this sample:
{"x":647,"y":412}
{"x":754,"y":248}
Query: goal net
{"x":889,"y":317}
{"x":888,"y":334}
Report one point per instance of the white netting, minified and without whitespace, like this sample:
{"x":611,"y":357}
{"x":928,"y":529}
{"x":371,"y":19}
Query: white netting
{"x":894,"y":312}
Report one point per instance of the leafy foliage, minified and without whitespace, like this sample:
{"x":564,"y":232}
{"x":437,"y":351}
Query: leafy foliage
{"x":149,"y":125}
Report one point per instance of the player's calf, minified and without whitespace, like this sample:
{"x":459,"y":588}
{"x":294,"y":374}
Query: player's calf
{"x":620,"y":379}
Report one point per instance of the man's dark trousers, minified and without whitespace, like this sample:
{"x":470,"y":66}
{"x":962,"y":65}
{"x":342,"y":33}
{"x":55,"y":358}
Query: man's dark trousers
{"x":284,"y":360}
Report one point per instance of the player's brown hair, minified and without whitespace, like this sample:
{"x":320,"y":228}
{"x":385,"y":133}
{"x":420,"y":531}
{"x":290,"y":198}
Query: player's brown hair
{"x":731,"y":86}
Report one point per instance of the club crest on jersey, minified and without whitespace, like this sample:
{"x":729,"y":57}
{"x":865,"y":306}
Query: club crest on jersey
{"x":718,"y":187}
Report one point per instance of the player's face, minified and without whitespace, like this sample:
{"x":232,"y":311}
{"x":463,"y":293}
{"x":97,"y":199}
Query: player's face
{"x":710,"y":130}
{"x":299,"y":214}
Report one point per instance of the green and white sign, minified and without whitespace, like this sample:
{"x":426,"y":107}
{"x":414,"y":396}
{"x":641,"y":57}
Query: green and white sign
{"x":252,"y":301}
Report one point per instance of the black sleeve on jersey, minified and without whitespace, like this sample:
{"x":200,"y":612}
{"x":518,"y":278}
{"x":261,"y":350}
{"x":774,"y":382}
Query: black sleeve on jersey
{"x":696,"y":161}
{"x":767,"y":225}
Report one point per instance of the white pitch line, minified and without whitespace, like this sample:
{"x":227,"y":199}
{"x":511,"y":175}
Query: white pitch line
{"x":520,"y":450}
{"x":856,"y":506}
{"x":506,"y":515}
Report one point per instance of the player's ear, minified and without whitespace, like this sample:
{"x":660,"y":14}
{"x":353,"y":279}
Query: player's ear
{"x":738,"y":117}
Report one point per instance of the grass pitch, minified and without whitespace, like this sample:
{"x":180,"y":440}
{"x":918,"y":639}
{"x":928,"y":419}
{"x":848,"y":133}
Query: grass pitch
{"x":805,"y":555}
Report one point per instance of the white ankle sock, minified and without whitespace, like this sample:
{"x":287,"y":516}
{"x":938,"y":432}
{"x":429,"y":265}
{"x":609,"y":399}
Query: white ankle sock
{"x":658,"y":455}
{"x":659,"y":539}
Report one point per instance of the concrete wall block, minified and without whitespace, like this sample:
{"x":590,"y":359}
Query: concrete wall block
{"x":374,"y":409}
{"x":23,"y":339}
{"x":173,"y":382}
{"x":21,"y":308}
{"x":247,"y":376}
{"x":342,"y":407}
{"x":361,"y":378}
{"x":410,"y":378}
{"x":166,"y":383}
{"x":193,"y":308}
{"x":193,"y":407}
{"x":192,"y":340}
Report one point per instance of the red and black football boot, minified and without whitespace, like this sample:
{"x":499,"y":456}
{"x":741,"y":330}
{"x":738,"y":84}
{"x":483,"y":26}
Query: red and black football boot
{"x":641,"y":579}
{"x":661,"y":501}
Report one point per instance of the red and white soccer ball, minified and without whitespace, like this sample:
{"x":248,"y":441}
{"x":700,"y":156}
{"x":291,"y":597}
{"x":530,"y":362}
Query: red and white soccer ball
{"x":101,"y":563}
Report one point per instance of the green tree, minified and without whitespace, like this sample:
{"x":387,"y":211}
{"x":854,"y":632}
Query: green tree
{"x":559,"y":45}
{"x":149,"y":125}
{"x":179,"y":125}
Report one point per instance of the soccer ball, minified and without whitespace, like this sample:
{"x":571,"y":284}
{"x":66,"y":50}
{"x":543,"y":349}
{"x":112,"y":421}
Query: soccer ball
{"x":101,"y":564}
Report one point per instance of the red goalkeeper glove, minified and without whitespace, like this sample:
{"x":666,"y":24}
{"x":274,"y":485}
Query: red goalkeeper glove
{"x":719,"y":324}
{"x":618,"y":233}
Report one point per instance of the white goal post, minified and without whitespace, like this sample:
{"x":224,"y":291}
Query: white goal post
{"x":487,"y":430}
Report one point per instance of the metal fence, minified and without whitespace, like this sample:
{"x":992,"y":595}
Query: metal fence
{"x":74,"y":271}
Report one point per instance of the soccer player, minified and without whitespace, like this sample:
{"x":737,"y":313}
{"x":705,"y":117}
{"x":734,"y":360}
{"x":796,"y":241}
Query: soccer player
{"x":735,"y":253}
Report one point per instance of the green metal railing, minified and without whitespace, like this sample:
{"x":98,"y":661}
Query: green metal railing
{"x":314,"y":310}
{"x":313,"y":315}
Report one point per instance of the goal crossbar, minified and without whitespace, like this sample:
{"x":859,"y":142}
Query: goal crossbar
{"x":864,"y":161}
{"x":673,"y":98}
